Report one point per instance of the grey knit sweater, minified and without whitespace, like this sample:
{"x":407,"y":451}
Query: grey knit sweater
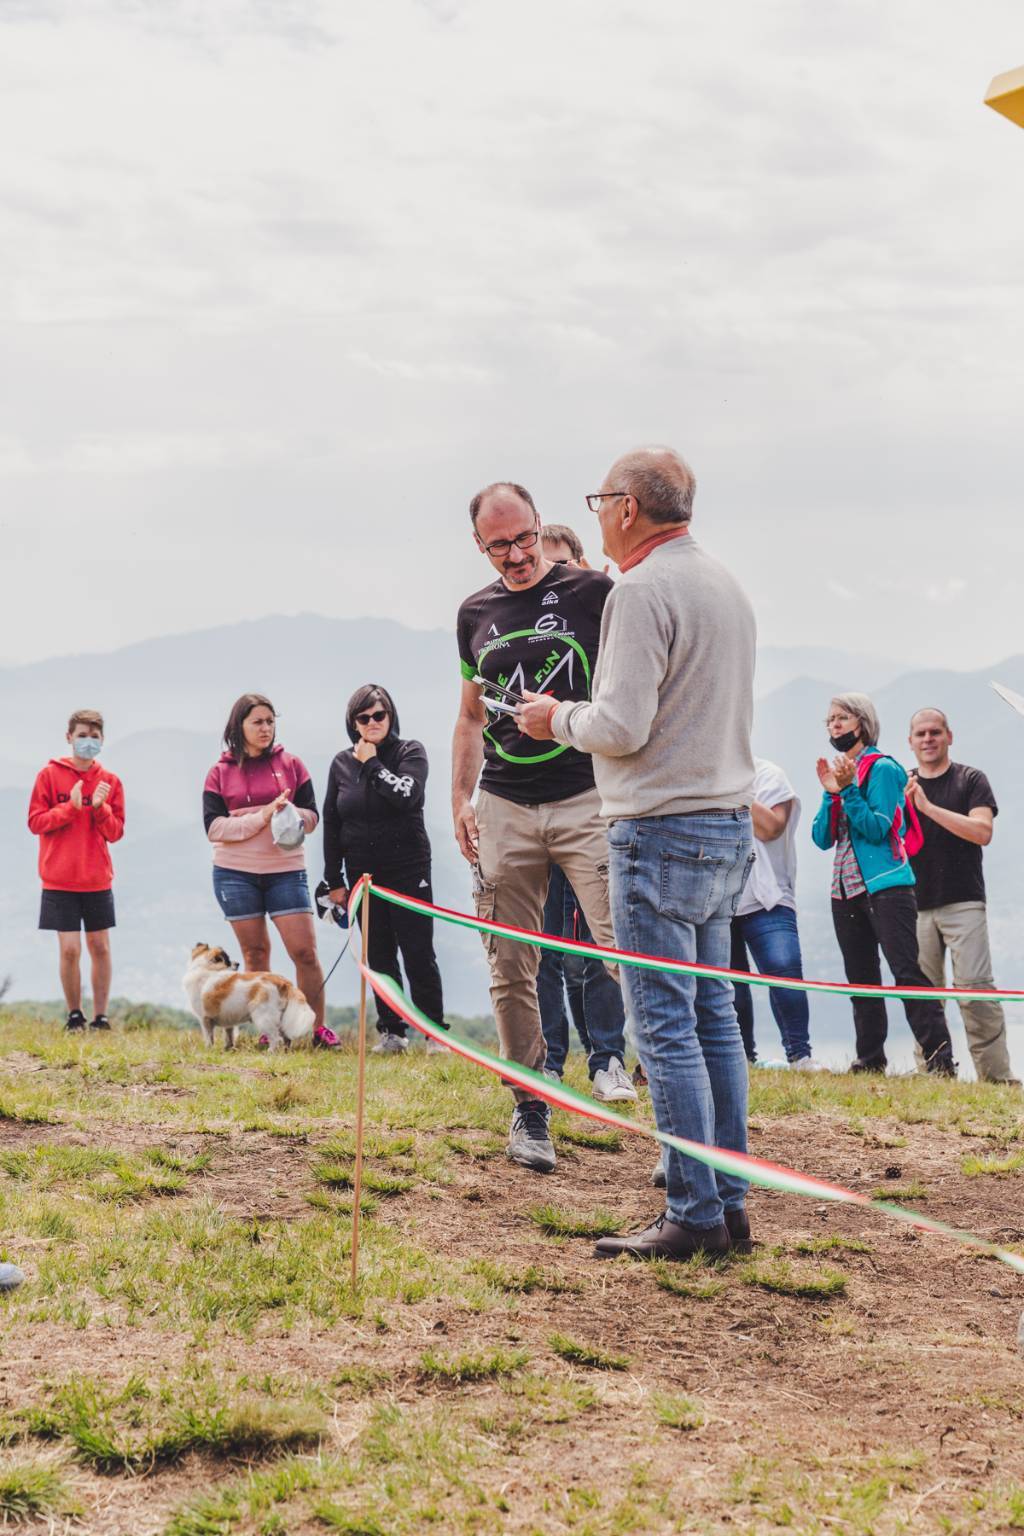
{"x":669,"y":723}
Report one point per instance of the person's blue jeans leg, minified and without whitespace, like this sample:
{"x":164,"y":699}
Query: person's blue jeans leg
{"x":774,"y":941}
{"x":604,"y":1013}
{"x":744,"y":1003}
{"x":550,"y":979}
{"x":674,"y":885}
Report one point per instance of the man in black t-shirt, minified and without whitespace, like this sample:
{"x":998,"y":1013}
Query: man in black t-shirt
{"x":956,"y":807}
{"x":536,"y":628}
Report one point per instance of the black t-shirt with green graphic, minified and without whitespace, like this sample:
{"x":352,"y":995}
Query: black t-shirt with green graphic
{"x":545,"y":640}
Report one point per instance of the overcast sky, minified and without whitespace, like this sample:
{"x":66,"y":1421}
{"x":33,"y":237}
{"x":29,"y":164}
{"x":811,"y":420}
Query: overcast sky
{"x":282,"y":282}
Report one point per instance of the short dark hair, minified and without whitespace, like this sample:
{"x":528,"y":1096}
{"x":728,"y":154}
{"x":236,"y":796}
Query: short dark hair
{"x":241,"y":709}
{"x":499,"y":485}
{"x":661,"y":499}
{"x":89,"y":717}
{"x":561,"y":533}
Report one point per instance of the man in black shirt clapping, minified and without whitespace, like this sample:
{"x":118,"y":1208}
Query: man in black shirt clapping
{"x":957,"y":807}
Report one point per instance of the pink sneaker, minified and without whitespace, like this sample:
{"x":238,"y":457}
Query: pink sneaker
{"x":263,"y":1043}
{"x":325,"y":1038}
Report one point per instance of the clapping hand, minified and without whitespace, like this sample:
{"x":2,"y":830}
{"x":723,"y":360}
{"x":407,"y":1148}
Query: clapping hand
{"x":76,"y":795}
{"x":826,"y":777}
{"x":101,"y":794}
{"x":843,"y":771}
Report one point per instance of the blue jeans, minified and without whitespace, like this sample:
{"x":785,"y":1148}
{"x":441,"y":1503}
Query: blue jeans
{"x":774,"y":942}
{"x":674,"y":884}
{"x":595,"y":998}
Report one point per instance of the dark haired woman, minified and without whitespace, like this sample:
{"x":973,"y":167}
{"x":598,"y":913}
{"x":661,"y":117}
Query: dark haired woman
{"x":373,"y":825}
{"x":253,"y":877}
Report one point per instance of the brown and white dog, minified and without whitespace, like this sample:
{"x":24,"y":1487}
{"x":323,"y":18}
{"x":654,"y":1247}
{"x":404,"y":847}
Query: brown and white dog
{"x":220,"y":994}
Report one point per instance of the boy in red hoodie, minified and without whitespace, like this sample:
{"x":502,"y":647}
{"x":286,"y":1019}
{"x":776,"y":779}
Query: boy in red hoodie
{"x":77,"y":811}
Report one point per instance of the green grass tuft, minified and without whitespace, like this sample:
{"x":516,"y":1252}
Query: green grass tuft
{"x":30,"y":1490}
{"x":899,"y":1194}
{"x":523,"y":1282}
{"x":832,"y":1244}
{"x":787,"y":1279}
{"x":1012,"y":1163}
{"x":587,"y":1354}
{"x":555,"y":1221}
{"x":598,"y":1141}
{"x":455,"y":1370}
{"x":690,"y":1280}
{"x":678,"y":1412}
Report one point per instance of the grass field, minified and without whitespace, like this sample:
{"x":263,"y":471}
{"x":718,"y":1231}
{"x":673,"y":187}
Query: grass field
{"x":186,"y":1357}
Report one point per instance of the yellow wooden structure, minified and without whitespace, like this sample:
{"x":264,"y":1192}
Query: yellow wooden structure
{"x":1006,"y":95}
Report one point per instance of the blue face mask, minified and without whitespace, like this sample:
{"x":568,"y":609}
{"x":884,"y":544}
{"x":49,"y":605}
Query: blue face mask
{"x":87,"y":747}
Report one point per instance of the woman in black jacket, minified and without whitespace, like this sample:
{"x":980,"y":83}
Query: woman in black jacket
{"x":373,"y":825}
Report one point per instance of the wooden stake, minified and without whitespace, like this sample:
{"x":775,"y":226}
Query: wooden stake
{"x":357,"y":1182}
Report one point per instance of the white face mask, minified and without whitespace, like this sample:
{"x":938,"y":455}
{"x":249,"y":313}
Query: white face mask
{"x":87,"y":747}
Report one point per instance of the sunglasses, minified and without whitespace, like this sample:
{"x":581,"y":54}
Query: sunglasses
{"x":376,"y":716}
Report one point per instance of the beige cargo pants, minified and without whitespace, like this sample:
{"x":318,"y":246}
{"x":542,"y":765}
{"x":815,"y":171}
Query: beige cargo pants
{"x":962,"y":929}
{"x":518,"y":845}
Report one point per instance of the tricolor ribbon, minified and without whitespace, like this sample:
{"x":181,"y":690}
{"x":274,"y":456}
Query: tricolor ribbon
{"x":758,"y":1171}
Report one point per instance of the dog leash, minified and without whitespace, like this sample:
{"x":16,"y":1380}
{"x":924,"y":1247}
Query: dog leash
{"x":330,"y":973}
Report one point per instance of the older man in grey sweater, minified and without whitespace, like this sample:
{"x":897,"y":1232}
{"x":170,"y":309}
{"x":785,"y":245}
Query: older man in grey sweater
{"x":669,"y":731}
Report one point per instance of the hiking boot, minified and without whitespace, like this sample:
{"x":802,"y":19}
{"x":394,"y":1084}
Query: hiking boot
{"x":612,"y":1086}
{"x":390,"y":1045}
{"x":100,"y":1022}
{"x":738,"y":1228}
{"x":666,"y":1239}
{"x":76,"y":1019}
{"x":529,"y":1140}
{"x":942,"y":1063}
{"x":324,"y":1039}
{"x":659,"y":1178}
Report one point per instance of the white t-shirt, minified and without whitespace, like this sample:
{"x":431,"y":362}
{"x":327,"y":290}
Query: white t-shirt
{"x":772,"y":881}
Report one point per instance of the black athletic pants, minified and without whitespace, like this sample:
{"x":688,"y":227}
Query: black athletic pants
{"x":886,"y":921}
{"x":396,"y":930}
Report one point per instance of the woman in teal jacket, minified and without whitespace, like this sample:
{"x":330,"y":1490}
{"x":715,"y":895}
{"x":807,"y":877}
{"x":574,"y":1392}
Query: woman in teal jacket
{"x":863,"y":815}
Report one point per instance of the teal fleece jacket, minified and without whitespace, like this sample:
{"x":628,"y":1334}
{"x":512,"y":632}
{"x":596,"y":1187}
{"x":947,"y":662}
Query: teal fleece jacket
{"x":870,"y":813}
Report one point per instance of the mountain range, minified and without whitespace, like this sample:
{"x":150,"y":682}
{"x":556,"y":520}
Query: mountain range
{"x":166,"y":701}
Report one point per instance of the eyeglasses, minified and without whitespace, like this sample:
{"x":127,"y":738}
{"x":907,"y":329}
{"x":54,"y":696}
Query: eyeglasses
{"x":594,"y":501}
{"x":376,"y":715}
{"x":501,"y":547}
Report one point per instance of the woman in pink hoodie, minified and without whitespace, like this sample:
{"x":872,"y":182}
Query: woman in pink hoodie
{"x":253,"y":877}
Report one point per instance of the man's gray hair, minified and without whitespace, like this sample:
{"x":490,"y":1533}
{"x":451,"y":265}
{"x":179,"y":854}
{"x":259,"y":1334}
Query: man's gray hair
{"x":662,"y":482}
{"x":862,"y":709}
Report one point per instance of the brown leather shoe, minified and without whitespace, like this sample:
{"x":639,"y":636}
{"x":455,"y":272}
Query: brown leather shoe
{"x":666,"y":1239}
{"x":738,"y":1228}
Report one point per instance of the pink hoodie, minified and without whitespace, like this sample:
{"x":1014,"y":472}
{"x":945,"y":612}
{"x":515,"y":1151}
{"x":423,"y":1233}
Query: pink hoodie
{"x":234,"y":797}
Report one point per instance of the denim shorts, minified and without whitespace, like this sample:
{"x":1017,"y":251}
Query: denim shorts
{"x":242,"y":895}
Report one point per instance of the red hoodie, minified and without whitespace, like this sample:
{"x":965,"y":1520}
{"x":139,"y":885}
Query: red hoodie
{"x":74,"y":851}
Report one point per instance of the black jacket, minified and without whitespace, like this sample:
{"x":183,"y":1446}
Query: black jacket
{"x":373,"y":813}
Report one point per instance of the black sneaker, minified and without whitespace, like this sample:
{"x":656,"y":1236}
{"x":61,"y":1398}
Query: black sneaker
{"x":100,"y":1022}
{"x":858,"y":1064}
{"x":529,"y":1141}
{"x":76,"y":1019}
{"x":942,"y":1063}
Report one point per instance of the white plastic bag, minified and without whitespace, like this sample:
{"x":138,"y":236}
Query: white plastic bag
{"x":287,"y":827}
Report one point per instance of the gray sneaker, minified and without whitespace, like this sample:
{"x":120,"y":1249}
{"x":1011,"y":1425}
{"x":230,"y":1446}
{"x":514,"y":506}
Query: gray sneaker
{"x":529,"y":1140}
{"x":435,"y":1047}
{"x":658,"y":1178}
{"x":613,"y":1086}
{"x":10,"y":1277}
{"x":390,"y":1045}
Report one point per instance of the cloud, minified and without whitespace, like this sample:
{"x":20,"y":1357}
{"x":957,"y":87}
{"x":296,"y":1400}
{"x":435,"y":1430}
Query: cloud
{"x":339,"y":265}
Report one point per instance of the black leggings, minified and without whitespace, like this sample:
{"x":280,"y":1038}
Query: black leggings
{"x":887,"y":921}
{"x":395,"y":930}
